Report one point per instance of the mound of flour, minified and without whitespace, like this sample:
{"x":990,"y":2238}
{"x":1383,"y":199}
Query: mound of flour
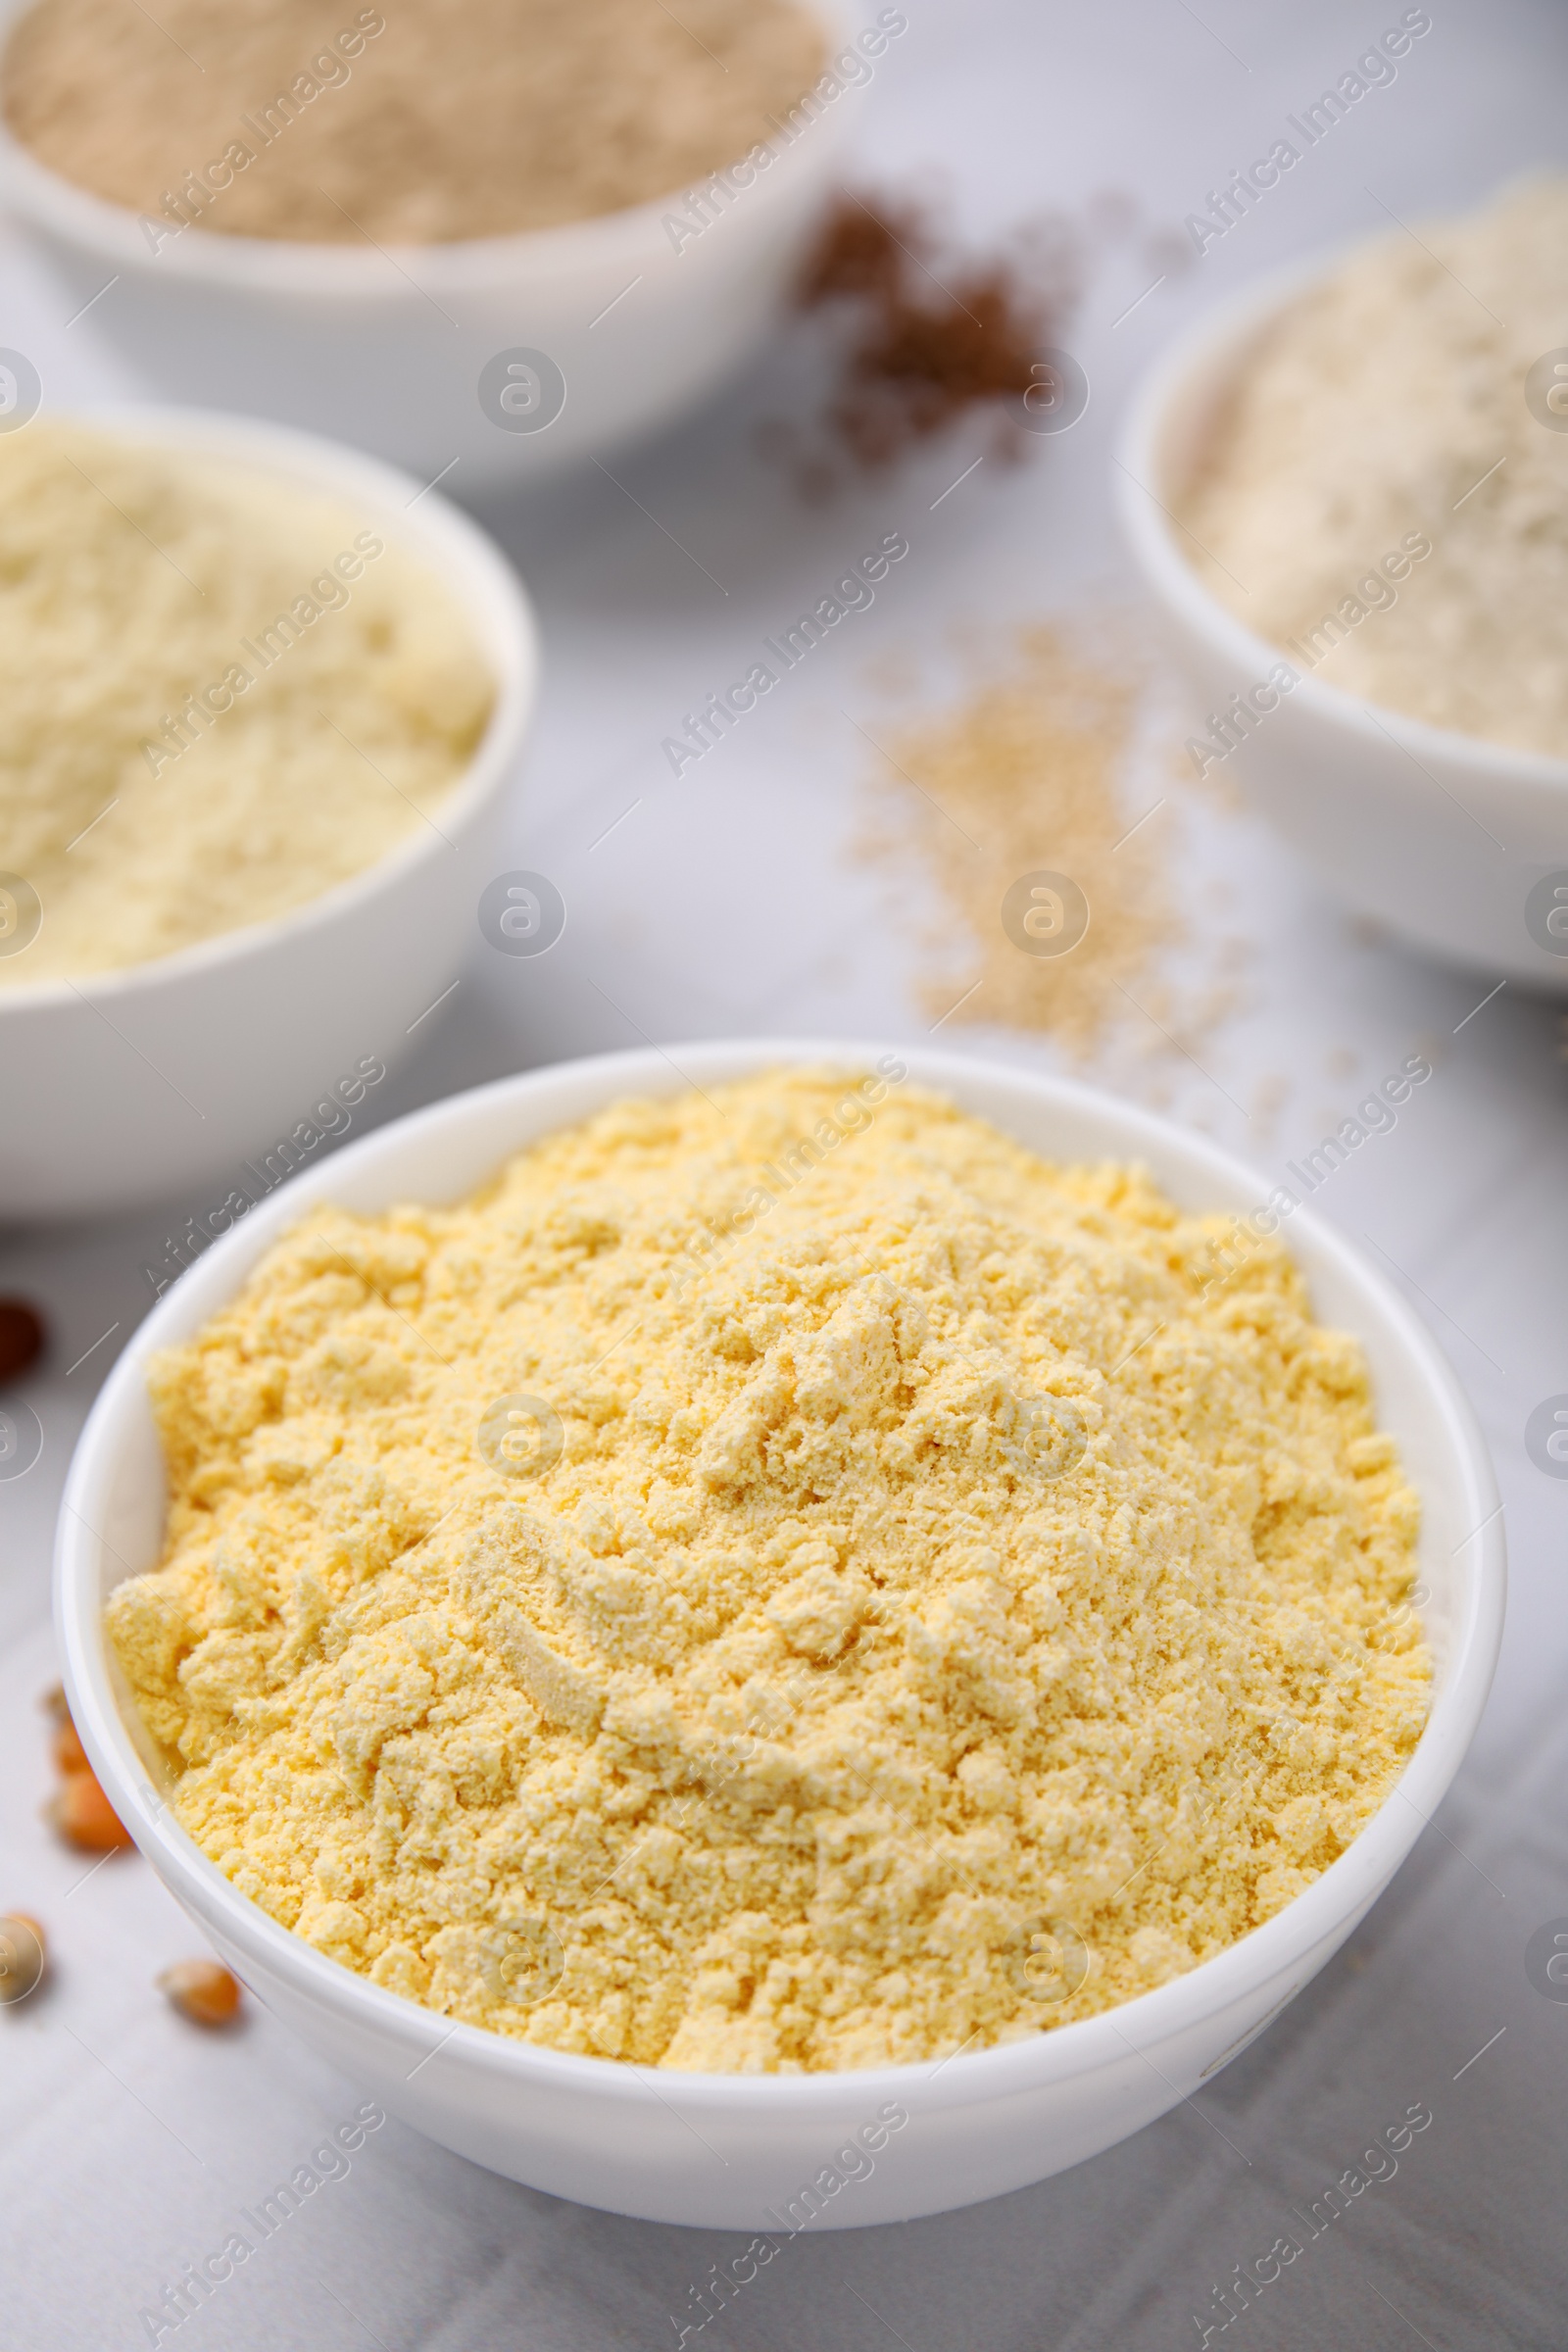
{"x":1407,"y":398}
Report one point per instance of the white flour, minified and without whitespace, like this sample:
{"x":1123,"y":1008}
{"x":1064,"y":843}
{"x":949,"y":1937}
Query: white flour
{"x":1388,"y":406}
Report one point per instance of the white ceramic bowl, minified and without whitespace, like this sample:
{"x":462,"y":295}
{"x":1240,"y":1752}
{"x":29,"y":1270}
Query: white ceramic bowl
{"x":732,"y":2150}
{"x":386,"y":348}
{"x":1441,"y":837}
{"x":122,"y":1086}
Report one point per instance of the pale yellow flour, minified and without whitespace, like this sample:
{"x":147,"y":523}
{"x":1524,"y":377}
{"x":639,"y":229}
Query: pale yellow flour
{"x":951,"y":1579}
{"x":222,"y":695}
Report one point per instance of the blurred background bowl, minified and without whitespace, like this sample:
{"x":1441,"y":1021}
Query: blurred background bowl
{"x":730,"y":2151}
{"x":389,"y":348}
{"x":1442,"y":837}
{"x":121,"y":1085}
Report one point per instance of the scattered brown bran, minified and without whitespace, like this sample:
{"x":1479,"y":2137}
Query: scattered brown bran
{"x":927,"y":334}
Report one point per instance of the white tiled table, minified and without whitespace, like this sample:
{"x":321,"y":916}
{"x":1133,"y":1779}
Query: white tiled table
{"x":732,"y":899}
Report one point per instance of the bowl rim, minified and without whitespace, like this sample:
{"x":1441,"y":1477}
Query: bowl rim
{"x":1214,"y":343}
{"x":1322,"y":1912}
{"x":565,"y":249}
{"x":469,"y":565}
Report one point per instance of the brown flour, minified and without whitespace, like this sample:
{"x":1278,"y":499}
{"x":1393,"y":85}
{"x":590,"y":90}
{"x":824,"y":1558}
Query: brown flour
{"x":439,"y":120}
{"x":926,"y":334}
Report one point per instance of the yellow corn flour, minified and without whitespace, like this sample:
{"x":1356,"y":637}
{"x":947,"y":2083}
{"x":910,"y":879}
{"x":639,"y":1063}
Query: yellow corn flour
{"x":930,"y":1595}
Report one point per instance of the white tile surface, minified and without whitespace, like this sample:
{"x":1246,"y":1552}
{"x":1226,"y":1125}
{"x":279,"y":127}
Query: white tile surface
{"x":731,"y":899}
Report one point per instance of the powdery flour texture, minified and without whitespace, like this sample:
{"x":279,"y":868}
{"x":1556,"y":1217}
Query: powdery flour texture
{"x":949,"y":1605}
